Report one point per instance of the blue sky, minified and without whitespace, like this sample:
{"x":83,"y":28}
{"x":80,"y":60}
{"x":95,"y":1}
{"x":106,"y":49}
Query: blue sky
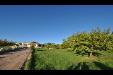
{"x":51,"y":23}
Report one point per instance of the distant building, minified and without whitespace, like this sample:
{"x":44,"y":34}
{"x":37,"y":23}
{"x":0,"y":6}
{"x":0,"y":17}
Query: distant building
{"x":35,"y":44}
{"x":23,"y":44}
{"x":29,"y":44}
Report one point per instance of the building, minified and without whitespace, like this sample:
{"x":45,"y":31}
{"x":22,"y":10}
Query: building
{"x":29,"y":44}
{"x":35,"y":44}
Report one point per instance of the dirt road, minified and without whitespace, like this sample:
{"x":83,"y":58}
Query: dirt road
{"x":14,"y":60}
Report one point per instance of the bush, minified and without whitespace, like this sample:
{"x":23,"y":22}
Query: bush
{"x":8,"y":48}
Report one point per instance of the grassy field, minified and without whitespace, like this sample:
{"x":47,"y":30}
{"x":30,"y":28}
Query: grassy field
{"x":63,"y":59}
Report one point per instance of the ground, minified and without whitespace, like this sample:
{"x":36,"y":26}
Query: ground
{"x":14,"y":60}
{"x":55,"y":59}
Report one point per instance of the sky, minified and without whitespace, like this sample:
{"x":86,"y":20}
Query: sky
{"x":51,"y":23}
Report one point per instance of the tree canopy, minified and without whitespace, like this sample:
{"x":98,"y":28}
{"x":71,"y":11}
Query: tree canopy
{"x":89,"y":43}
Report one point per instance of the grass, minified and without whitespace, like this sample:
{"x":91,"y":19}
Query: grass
{"x":27,"y":65}
{"x":59,"y":59}
{"x":63,"y":59}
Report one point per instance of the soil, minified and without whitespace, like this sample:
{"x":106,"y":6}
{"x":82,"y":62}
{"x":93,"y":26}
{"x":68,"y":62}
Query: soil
{"x":14,"y":60}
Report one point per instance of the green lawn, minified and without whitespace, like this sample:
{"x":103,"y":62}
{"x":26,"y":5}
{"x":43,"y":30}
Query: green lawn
{"x":63,"y":59}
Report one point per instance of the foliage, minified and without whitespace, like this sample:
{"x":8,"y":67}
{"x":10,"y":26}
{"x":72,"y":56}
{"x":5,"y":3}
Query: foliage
{"x":88,"y":43}
{"x":51,"y":46}
{"x":5,"y":42}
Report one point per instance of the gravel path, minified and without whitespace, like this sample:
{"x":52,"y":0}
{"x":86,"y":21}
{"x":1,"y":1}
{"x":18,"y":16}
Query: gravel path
{"x":14,"y":60}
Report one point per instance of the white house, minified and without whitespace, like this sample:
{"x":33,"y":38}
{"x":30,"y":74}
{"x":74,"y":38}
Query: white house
{"x":28,"y":44}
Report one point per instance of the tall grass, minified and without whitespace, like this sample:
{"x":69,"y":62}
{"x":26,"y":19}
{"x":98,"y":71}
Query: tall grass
{"x":62,"y":59}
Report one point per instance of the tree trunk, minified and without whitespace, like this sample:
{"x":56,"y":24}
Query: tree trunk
{"x":90,"y":54}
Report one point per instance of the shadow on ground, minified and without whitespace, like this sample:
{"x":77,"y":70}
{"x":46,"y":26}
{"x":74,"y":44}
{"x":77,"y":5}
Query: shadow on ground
{"x":40,"y":50}
{"x":102,"y":66}
{"x":79,"y":66}
{"x":88,"y":66}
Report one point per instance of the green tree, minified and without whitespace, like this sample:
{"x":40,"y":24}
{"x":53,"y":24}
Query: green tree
{"x":89,"y":43}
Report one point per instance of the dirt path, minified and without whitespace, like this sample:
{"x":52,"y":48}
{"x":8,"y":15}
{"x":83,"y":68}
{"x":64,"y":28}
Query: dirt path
{"x":14,"y":60}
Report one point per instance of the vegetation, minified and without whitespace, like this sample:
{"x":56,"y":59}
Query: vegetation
{"x":90,"y":43}
{"x":51,"y":46}
{"x":5,"y":42}
{"x":81,"y":51}
{"x":6,"y":46}
{"x":64,"y":59}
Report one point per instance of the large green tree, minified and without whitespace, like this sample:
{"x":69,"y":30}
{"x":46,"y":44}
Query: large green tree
{"x":85,"y":43}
